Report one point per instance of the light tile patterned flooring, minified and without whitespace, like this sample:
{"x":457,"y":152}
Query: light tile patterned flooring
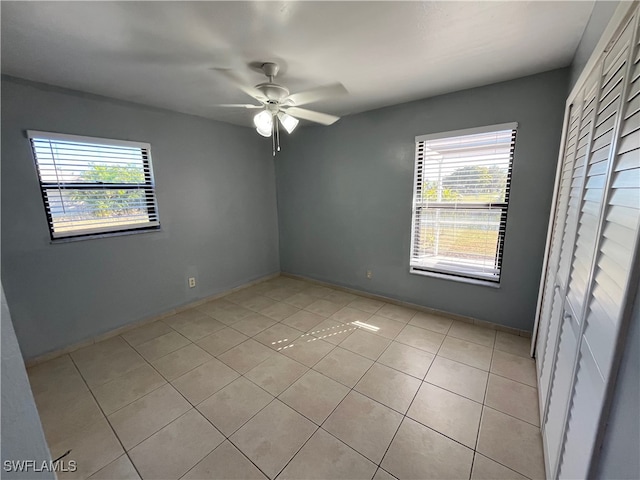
{"x":291,"y":380}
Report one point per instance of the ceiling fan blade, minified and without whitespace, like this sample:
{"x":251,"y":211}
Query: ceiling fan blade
{"x":317,"y":94}
{"x":317,"y":117}
{"x":239,"y":82}
{"x":238,"y":105}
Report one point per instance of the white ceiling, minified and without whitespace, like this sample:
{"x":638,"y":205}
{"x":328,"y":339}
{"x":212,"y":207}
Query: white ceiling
{"x":162,"y":53}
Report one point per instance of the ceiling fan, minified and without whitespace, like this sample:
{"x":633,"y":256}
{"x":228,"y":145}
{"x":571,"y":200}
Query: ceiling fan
{"x":279,"y":107}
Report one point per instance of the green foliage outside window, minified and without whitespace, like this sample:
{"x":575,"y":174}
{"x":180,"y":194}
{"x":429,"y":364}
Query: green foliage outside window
{"x":111,"y":202}
{"x":470,"y":183}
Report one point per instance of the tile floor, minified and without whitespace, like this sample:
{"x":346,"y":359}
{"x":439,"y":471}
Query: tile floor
{"x":291,"y":380}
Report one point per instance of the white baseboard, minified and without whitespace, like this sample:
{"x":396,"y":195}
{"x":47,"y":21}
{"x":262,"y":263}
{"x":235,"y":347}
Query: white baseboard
{"x":421,"y":308}
{"x":130,"y":326}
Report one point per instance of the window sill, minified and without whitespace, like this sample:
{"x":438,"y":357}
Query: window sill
{"x":95,"y":236}
{"x":454,"y":278}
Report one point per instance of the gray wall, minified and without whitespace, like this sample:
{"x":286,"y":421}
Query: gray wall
{"x":345,"y":193}
{"x":600,"y":16}
{"x":621,"y":444}
{"x":22,"y":435}
{"x":216,"y":199}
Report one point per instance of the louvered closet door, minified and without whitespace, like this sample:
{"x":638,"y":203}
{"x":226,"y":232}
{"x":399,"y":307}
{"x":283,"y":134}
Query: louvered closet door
{"x":562,"y":344}
{"x":548,"y":331}
{"x":616,"y":253}
{"x":593,"y":269}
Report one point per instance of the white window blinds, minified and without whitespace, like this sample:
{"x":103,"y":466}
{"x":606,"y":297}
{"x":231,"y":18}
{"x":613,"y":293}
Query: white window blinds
{"x":461,"y":193}
{"x":94,"y":186}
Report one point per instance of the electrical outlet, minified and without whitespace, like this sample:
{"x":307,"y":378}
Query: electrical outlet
{"x":192,"y":282}
{"x":369,"y":274}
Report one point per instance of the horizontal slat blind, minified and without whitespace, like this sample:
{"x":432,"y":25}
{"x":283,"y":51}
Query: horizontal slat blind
{"x":461,"y":194}
{"x":92,"y":186}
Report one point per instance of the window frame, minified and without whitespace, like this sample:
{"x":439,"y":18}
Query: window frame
{"x":148,"y":186}
{"x":503,"y":207}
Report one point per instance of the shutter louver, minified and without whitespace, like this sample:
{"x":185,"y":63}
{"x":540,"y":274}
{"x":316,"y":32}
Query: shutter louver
{"x":613,"y":244}
{"x":595,"y":184}
{"x":461,"y":194}
{"x":94,"y":186}
{"x":575,"y":195}
{"x":572,"y":179}
{"x":589,"y":391}
{"x":576,"y":376}
{"x":549,"y":330}
{"x":559,"y":391}
{"x":558,"y":365}
{"x":619,"y":235}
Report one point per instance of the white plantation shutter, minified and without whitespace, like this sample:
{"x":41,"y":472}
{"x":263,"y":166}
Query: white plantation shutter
{"x":94,"y":185}
{"x":461,"y":194}
{"x":615,"y":254}
{"x":590,"y":285}
{"x":549,"y":331}
{"x":561,"y":342}
{"x":553,"y":381}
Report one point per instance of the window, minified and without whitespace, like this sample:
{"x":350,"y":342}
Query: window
{"x":94,"y":186}
{"x":461,"y":193}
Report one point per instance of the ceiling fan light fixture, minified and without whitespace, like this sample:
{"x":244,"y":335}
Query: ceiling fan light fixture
{"x":264,"y":123}
{"x":288,"y":122}
{"x":276,"y":101}
{"x":264,"y":133}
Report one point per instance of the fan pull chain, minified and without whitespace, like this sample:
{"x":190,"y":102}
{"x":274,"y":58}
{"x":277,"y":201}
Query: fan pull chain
{"x":273,"y":139}
{"x":277,"y":132}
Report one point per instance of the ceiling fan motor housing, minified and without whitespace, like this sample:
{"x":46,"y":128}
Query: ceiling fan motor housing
{"x":274,"y":92}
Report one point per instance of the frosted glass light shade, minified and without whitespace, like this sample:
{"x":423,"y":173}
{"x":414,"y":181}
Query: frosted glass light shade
{"x":288,"y":122}
{"x":264,"y":123}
